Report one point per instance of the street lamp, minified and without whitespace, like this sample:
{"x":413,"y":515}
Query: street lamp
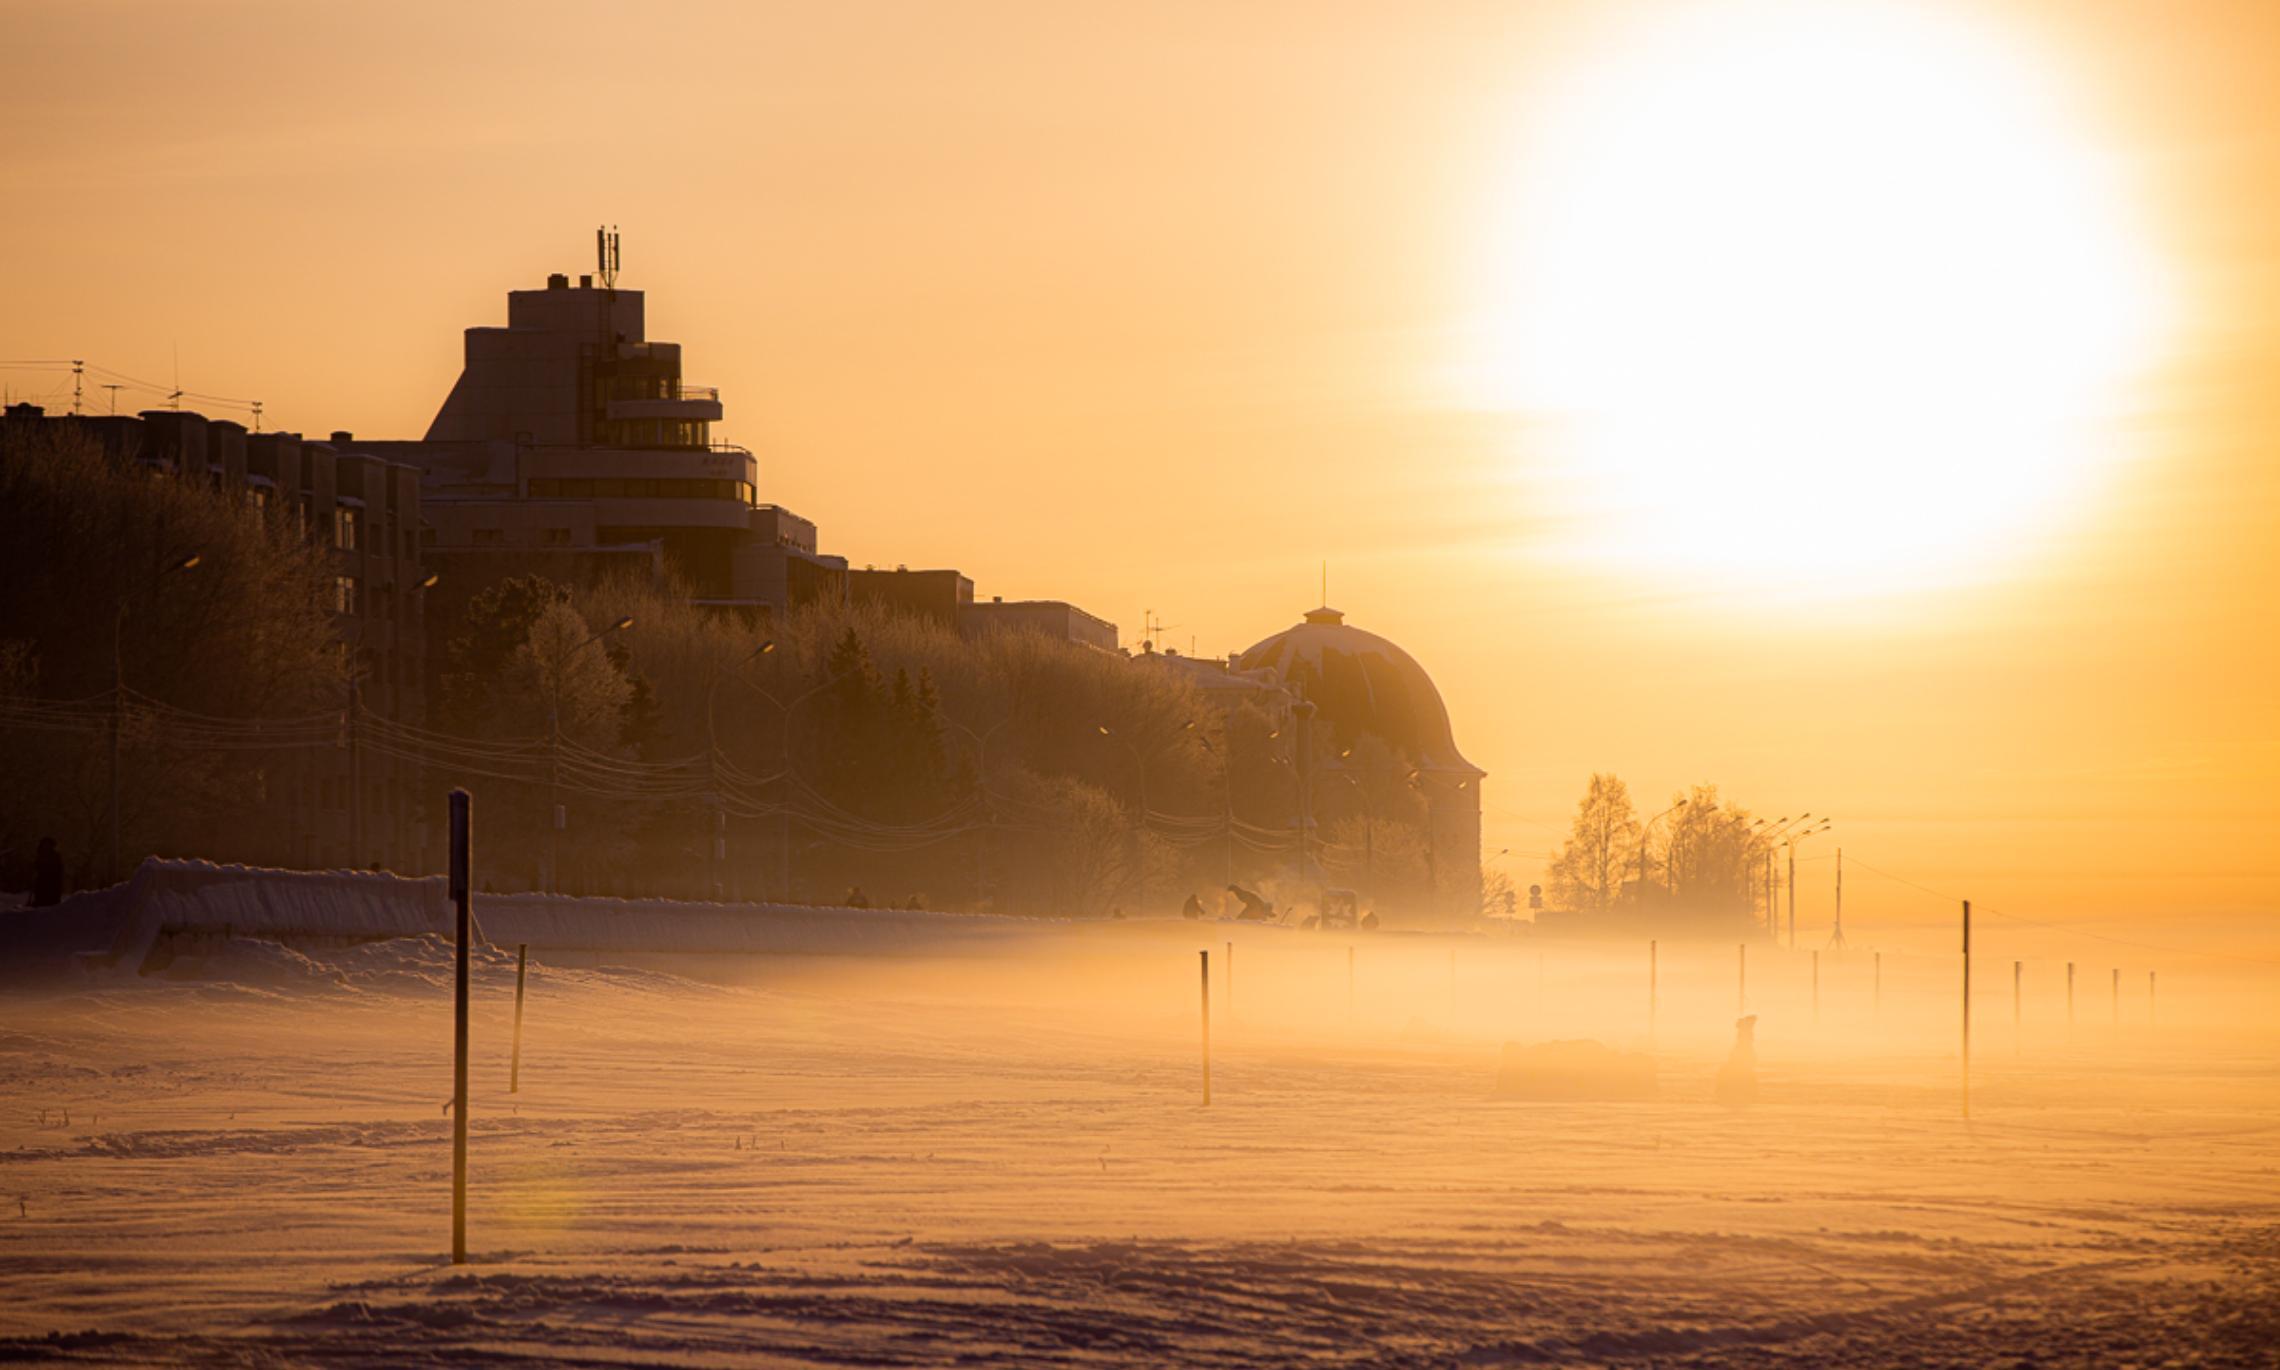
{"x":185,"y":562}
{"x":1789,"y":844}
{"x":555,"y":816}
{"x":1648,"y":831}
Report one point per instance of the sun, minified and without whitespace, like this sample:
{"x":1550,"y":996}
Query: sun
{"x":1818,"y":296}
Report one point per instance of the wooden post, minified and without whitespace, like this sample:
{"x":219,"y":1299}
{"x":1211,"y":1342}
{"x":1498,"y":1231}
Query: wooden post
{"x":1205,"y":965}
{"x":514,"y":1061}
{"x":1741,"y":978}
{"x":463,"y":900}
{"x":1967,"y":1008}
{"x":1816,"y":986}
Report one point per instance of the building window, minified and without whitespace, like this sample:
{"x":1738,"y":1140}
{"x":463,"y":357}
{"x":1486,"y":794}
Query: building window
{"x":490,"y":537}
{"x":345,"y":595}
{"x":345,"y":527}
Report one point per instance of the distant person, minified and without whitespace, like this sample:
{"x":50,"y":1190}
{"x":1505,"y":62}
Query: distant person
{"x":856,"y":899}
{"x":1255,"y":909}
{"x":1737,"y":1079}
{"x":1192,"y":909}
{"x":47,"y":875}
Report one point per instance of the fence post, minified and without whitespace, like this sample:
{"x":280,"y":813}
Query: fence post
{"x":1204,"y":964}
{"x":514,"y":1061}
{"x":1967,"y":1008}
{"x":462,"y":899}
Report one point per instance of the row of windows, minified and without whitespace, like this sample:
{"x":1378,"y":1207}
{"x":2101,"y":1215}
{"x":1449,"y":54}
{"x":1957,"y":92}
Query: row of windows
{"x":656,"y":487}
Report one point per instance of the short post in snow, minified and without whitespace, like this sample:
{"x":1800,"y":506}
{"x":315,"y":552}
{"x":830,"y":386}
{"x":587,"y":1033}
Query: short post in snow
{"x":514,"y":1060}
{"x":2018,"y":970}
{"x":1967,"y":1008}
{"x":1204,"y":964}
{"x":462,"y":900}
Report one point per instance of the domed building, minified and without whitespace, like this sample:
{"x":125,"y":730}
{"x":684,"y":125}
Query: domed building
{"x":1360,"y":684}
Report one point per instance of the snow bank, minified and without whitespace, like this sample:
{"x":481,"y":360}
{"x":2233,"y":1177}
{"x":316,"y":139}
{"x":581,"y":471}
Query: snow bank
{"x":175,"y":909}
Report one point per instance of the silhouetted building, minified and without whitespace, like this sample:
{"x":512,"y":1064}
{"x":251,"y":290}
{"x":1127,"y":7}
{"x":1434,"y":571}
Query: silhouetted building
{"x":367,"y":511}
{"x":1053,"y":618}
{"x":938,"y":595}
{"x":571,"y":447}
{"x":1360,"y":684}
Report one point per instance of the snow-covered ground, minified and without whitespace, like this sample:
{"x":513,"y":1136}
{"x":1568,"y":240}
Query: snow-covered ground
{"x":999,"y":1157}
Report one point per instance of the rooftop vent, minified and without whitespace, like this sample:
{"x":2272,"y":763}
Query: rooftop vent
{"x":585,"y":282}
{"x":557,"y":281}
{"x":342,"y":437}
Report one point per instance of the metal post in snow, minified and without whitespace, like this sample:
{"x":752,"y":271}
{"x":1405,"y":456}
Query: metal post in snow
{"x":1204,"y":964}
{"x":514,"y":1066}
{"x":462,"y":899}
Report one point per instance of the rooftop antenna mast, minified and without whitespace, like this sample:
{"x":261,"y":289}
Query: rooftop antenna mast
{"x":606,"y":255}
{"x":78,"y":370}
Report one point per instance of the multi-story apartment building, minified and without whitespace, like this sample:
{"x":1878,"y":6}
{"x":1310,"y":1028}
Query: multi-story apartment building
{"x":343,"y":806}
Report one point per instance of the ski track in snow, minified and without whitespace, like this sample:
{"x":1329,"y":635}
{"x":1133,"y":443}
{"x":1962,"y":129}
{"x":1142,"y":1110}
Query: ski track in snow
{"x":840,"y":1175}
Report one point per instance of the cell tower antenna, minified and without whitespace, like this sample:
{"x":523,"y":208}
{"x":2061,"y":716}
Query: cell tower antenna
{"x":78,"y":370}
{"x":606,"y":255}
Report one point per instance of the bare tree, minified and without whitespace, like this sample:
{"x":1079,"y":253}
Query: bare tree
{"x":1588,"y":873}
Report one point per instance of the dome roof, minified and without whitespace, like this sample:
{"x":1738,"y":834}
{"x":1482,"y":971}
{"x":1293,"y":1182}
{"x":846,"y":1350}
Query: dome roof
{"x":1361,"y":683}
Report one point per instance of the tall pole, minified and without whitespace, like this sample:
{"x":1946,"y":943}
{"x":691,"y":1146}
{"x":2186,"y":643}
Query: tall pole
{"x":1967,"y":1008}
{"x":355,"y":775}
{"x":554,"y":783}
{"x":118,"y":707}
{"x":514,"y":1060}
{"x":462,"y":900}
{"x":1837,"y":936}
{"x":1204,"y":960}
{"x":1791,"y":849}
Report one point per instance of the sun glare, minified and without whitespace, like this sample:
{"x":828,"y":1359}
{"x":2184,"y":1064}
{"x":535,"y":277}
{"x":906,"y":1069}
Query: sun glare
{"x":1818,"y":298}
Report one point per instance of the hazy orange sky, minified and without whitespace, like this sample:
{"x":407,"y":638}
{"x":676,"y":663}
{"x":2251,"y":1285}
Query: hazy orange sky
{"x":1159,"y":306}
